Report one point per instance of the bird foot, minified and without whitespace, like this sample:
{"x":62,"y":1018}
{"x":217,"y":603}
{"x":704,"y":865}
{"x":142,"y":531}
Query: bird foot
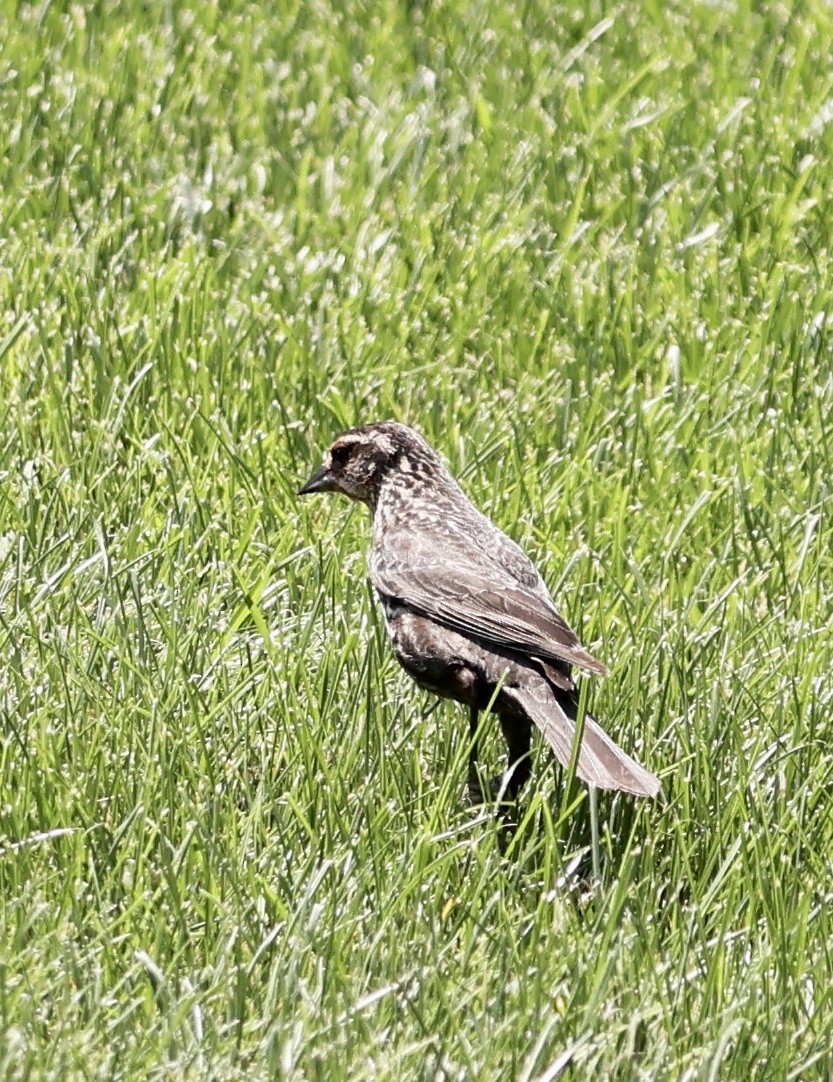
{"x":495,"y":788}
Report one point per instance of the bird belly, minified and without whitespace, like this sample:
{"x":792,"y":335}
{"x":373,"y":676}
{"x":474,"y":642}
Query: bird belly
{"x":437,"y":658}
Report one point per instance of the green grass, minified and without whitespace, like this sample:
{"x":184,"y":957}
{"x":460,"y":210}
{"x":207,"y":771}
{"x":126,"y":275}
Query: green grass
{"x":588,"y":250}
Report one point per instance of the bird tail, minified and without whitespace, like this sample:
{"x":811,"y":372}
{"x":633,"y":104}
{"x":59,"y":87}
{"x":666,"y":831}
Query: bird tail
{"x":601,"y":762}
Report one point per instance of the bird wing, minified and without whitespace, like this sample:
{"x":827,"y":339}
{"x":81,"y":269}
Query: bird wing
{"x":463,"y":589}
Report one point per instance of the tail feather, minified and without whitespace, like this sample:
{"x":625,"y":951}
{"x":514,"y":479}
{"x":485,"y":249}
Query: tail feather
{"x":601,"y":762}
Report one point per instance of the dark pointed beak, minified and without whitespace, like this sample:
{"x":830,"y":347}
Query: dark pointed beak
{"x":321,"y":481}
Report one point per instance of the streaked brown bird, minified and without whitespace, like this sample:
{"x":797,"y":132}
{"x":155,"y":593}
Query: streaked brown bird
{"x":468,"y":614}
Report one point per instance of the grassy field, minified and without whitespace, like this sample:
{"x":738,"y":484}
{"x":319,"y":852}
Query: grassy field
{"x":588,"y":250}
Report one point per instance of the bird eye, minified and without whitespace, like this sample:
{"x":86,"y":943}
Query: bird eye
{"x":340,"y":454}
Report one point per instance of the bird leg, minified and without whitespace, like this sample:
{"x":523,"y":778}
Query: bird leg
{"x":474,"y":786}
{"x":518,"y":736}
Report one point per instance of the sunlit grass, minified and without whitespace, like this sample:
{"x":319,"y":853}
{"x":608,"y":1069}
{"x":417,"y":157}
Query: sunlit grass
{"x":587,"y":250}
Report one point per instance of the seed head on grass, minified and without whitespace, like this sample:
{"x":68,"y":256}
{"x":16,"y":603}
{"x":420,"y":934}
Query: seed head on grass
{"x":468,"y":615}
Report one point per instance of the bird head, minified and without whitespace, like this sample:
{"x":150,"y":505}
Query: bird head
{"x":360,"y":460}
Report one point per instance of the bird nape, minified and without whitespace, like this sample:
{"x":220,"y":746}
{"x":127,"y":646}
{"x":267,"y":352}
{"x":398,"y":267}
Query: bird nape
{"x":468,"y":615}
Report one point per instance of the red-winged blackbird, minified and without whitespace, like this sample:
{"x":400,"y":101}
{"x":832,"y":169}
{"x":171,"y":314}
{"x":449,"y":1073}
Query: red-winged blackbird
{"x":468,"y":614}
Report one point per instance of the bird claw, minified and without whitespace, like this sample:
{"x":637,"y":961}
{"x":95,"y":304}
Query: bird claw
{"x":474,"y":795}
{"x":496,"y":791}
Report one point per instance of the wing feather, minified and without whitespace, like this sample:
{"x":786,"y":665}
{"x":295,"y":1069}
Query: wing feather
{"x":465,"y":590}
